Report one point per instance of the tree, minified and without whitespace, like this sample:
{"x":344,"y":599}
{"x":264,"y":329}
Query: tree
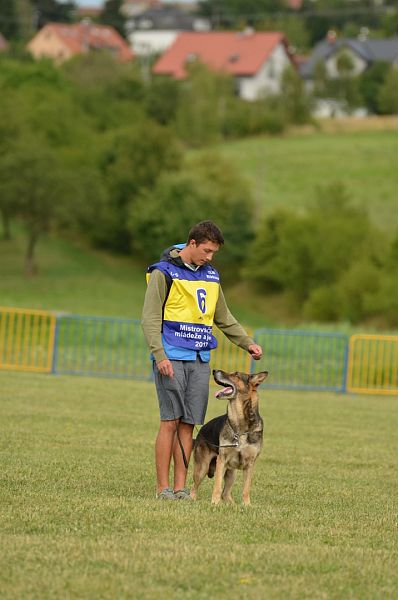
{"x":309,"y":256}
{"x":9,"y":19}
{"x":294,"y":29}
{"x":10,"y":128}
{"x":389,"y":23}
{"x":48,"y":11}
{"x":207,"y":188}
{"x":202,"y":105}
{"x":112,"y":14}
{"x":293,"y":98}
{"x":162,"y":99}
{"x":370,"y":84}
{"x":133,"y":161}
{"x":388,"y":94}
{"x":231,"y":12}
{"x":36,"y":185}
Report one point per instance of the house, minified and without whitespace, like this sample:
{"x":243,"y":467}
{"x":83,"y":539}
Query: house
{"x":361,"y":54}
{"x":61,"y":42}
{"x":255,"y":59}
{"x":153,"y":31}
{"x":3,"y":43}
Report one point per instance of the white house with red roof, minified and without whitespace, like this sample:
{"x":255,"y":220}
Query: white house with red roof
{"x":61,"y":42}
{"x":256,"y":60}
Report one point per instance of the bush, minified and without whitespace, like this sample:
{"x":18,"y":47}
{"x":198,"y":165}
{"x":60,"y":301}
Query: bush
{"x":132,"y":162}
{"x":324,"y":304}
{"x":370,"y":83}
{"x":329,"y":261}
{"x":243,"y":119}
{"x":388,"y":94}
{"x":206,"y":189}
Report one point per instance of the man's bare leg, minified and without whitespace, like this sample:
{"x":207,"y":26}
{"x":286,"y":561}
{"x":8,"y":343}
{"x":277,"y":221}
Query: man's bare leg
{"x":163,"y":452}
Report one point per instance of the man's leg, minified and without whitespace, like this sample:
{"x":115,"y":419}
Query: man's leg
{"x":180,"y":471}
{"x":163,"y":452}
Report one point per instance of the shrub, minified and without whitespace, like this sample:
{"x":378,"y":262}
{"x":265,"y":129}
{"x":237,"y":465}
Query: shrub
{"x":206,"y":189}
{"x":329,"y":261}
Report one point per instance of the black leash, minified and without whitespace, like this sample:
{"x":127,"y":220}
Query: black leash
{"x":184,"y":456}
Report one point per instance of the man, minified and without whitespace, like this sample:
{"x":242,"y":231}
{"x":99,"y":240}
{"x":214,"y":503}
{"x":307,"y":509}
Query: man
{"x":183,"y":300}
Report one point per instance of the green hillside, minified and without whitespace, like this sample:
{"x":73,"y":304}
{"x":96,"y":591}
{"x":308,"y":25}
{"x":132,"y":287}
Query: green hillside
{"x":286,"y":171}
{"x":71,"y":278}
{"x":76,"y":279}
{"x":283,"y":172}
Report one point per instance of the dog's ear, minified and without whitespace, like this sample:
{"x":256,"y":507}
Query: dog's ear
{"x":258,"y":378}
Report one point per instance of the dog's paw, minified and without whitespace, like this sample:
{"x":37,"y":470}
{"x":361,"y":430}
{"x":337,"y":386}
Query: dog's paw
{"x":228,"y":500}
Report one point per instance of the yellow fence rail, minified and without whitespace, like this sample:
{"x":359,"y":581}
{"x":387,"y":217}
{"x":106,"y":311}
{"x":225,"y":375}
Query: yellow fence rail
{"x":373,"y":364}
{"x":35,"y":340}
{"x":229,"y":357}
{"x":26,"y":339}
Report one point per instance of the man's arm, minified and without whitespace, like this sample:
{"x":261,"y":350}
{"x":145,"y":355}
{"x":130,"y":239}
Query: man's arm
{"x":234,"y":331}
{"x":152,"y":313}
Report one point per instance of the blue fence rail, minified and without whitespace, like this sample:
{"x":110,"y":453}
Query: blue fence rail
{"x":100,"y":346}
{"x":303,"y":359}
{"x":42,"y":341}
{"x":111,"y":347}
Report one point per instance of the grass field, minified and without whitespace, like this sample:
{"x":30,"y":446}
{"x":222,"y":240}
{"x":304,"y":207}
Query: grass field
{"x":79,"y":518}
{"x":284,"y":172}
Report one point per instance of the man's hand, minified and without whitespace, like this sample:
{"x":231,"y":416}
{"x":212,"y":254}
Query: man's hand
{"x":165,"y":367}
{"x":256,"y":351}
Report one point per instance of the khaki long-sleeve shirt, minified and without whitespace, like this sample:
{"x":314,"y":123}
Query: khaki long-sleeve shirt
{"x":153,"y":312}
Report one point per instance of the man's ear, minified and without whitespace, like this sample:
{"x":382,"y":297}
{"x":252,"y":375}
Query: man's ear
{"x":258,"y":378}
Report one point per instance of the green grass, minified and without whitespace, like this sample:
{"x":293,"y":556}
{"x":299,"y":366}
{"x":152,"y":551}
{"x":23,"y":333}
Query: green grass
{"x":78,"y":518}
{"x":284,"y":172}
{"x":71,"y":278}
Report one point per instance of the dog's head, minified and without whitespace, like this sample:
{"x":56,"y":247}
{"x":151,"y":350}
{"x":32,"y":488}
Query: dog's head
{"x":237,"y":383}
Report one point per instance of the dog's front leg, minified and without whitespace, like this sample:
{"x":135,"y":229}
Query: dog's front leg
{"x":247,"y":481}
{"x":229,"y":479}
{"x":218,"y":480}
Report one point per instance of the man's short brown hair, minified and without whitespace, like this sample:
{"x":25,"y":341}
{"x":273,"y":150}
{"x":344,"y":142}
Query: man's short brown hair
{"x":206,"y":231}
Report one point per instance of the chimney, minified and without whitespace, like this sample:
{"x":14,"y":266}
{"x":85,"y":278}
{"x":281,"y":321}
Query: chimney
{"x":331,"y":36}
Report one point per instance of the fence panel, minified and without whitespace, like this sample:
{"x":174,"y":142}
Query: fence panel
{"x":101,"y":346}
{"x":229,"y":357}
{"x":34,"y":340}
{"x":303,"y":359}
{"x":26,"y":339}
{"x":373,"y":364}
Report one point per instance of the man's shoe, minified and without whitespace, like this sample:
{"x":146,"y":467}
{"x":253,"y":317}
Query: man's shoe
{"x":166,"y":494}
{"x":182,"y":494}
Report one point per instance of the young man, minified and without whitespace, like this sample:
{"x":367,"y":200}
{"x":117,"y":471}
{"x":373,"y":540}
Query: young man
{"x":183,"y":300}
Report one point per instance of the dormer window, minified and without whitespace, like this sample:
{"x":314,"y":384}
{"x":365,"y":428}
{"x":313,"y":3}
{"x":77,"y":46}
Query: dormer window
{"x":146,"y":24}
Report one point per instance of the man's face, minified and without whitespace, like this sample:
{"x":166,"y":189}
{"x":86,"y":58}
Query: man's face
{"x":202,"y":253}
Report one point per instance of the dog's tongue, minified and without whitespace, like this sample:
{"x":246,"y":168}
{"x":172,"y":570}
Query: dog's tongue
{"x":224,"y":391}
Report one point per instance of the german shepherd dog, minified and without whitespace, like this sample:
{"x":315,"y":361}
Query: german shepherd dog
{"x":233,"y":440}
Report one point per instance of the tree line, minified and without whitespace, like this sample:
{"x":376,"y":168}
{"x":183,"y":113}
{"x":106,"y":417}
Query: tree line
{"x":304,"y":25}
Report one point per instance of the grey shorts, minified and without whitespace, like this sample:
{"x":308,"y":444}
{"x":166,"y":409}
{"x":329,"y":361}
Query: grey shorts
{"x":185,"y":395}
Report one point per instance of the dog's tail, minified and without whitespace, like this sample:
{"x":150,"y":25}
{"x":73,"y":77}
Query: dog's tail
{"x":212,"y":467}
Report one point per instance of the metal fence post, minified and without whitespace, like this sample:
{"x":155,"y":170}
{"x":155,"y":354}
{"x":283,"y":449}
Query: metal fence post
{"x":55,"y":346}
